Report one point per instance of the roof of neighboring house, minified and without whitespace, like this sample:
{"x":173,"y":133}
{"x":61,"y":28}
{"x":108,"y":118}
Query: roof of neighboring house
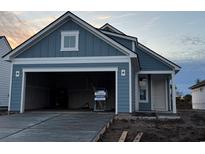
{"x":198,"y":85}
{"x":6,"y":41}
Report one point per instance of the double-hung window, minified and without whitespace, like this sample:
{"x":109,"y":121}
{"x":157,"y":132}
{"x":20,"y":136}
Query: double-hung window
{"x":143,"y":90}
{"x":69,"y":40}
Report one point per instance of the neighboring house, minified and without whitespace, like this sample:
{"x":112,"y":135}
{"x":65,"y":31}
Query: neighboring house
{"x":61,"y":66}
{"x":5,"y":70}
{"x":198,"y":95}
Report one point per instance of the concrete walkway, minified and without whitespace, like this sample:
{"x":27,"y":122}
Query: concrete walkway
{"x":52,"y":126}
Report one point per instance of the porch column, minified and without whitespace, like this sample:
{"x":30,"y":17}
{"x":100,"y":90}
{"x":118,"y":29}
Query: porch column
{"x":173,"y":93}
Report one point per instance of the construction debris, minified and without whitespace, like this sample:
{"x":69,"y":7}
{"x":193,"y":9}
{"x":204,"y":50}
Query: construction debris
{"x":138,"y":137}
{"x":123,"y":136}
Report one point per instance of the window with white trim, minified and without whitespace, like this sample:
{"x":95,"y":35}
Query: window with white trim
{"x":143,"y":89}
{"x":69,"y":40}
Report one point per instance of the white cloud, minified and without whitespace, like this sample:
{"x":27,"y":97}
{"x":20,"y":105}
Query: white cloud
{"x":103,"y":17}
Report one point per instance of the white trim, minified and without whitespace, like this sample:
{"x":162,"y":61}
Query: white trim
{"x":23,"y":85}
{"x":70,"y":33}
{"x":69,"y":69}
{"x":136,"y":92}
{"x":133,"y":45}
{"x":155,"y":72}
{"x":161,"y":58}
{"x":69,"y":60}
{"x":10,"y":87}
{"x":147,"y":91}
{"x":116,"y":91}
{"x":111,"y":27}
{"x":173,"y":93}
{"x":87,"y":26}
{"x":119,"y":35}
{"x":152,"y":104}
{"x":130,"y":86}
{"x":166,"y":93}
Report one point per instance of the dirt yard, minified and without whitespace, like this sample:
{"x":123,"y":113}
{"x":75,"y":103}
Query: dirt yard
{"x":190,"y":128}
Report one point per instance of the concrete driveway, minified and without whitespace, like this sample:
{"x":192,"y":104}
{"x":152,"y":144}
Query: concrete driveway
{"x":52,"y":126}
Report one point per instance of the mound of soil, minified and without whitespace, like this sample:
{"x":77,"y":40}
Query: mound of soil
{"x":191,"y":127}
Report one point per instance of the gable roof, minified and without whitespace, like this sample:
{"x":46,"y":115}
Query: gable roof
{"x":148,"y":50}
{"x":163,"y":59}
{"x":119,"y":35}
{"x":198,"y":85}
{"x":6,"y":41}
{"x":89,"y":27}
{"x":110,"y":28}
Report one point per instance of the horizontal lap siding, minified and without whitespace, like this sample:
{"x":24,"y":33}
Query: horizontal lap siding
{"x":89,"y":45}
{"x":5,"y":69}
{"x":123,"y":82}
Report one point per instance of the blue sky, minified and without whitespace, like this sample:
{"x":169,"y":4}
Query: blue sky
{"x":178,"y":36}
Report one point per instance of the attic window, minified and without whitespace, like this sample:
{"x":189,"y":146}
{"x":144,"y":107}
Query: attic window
{"x":69,"y":40}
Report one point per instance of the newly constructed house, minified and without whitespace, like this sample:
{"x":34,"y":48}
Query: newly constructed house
{"x":198,"y":95}
{"x":5,"y":70}
{"x":62,"y":66}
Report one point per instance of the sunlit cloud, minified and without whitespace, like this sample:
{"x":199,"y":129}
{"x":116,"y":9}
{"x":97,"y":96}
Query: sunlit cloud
{"x":15,"y":29}
{"x":103,"y":17}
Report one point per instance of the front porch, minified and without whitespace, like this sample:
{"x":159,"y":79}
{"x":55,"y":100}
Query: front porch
{"x":155,"y":91}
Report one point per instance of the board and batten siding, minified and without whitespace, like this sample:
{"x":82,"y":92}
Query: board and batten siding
{"x":198,"y":98}
{"x":150,"y":63}
{"x":125,"y":42}
{"x":123,"y":82}
{"x":89,"y":44}
{"x":5,"y":69}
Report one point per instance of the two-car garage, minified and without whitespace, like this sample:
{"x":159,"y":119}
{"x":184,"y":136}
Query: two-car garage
{"x":67,"y":90}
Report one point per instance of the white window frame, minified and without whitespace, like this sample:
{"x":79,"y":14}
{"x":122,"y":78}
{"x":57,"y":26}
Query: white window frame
{"x":146,"y":88}
{"x":70,"y":33}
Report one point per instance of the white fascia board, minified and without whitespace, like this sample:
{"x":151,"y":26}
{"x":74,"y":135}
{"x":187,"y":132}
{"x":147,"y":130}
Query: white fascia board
{"x":119,"y":35}
{"x":72,"y":69}
{"x":156,"y":72}
{"x":111,"y":27}
{"x":72,"y":60}
{"x":89,"y":27}
{"x":161,"y":58}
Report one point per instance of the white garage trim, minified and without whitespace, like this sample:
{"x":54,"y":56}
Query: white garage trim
{"x":10,"y":86}
{"x":130,"y":87}
{"x":70,"y":69}
{"x":72,"y":60}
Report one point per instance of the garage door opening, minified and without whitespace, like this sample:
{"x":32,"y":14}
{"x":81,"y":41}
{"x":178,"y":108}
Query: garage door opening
{"x":67,"y":90}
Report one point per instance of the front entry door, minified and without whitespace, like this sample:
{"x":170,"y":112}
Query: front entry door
{"x":158,"y":96}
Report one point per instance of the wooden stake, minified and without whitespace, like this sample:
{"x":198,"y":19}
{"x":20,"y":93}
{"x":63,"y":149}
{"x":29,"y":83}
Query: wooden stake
{"x":123,"y":136}
{"x":138,"y":137}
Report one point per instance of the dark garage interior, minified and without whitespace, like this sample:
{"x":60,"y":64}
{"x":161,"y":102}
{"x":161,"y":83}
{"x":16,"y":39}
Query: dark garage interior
{"x":68,"y":90}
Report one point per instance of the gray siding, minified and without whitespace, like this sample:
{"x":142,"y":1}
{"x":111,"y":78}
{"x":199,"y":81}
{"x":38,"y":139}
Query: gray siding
{"x":5,"y":68}
{"x":125,"y":42}
{"x":148,"y":62}
{"x":89,"y":45}
{"x":123,"y":82}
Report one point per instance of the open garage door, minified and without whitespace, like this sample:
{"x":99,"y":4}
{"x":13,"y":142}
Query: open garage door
{"x":67,"y":90}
